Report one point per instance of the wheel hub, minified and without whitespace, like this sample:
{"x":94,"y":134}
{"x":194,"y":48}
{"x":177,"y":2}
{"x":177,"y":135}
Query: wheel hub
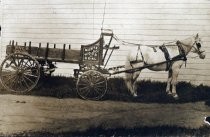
{"x":91,"y":84}
{"x":20,"y":72}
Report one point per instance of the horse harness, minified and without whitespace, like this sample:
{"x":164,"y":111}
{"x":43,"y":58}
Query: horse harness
{"x":169,"y":61}
{"x":137,"y":55}
{"x":167,"y":56}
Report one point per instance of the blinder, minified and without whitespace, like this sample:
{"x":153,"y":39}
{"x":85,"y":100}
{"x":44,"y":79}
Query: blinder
{"x":198,"y":45}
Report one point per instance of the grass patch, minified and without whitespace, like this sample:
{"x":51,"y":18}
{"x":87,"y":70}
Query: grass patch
{"x":149,"y":92}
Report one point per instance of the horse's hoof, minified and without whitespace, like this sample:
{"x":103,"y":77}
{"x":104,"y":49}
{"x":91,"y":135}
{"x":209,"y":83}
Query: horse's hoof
{"x":175,"y":96}
{"x":169,"y":93}
{"x":207,"y":120}
{"x":135,"y":95}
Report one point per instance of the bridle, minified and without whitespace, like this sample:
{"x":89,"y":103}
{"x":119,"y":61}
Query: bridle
{"x":197,"y":48}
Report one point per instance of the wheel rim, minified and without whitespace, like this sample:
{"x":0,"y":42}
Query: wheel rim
{"x":19,"y":72}
{"x":92,"y":85}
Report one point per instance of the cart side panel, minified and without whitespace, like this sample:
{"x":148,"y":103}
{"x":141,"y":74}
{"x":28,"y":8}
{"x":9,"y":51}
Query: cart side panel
{"x":53,"y":54}
{"x":92,"y":53}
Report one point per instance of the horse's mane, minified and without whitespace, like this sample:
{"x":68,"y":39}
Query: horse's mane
{"x":188,"y":41}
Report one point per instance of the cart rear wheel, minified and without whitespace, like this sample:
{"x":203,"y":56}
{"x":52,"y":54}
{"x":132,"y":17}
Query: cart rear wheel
{"x":19,"y":72}
{"x":91,"y":85}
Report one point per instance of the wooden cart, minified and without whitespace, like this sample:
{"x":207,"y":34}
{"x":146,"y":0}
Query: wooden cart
{"x":24,"y":64}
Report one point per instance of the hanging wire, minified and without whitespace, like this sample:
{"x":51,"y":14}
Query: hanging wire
{"x":93,"y":17}
{"x":102,"y":24}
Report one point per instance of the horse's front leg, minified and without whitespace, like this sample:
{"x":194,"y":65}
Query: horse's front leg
{"x":168,"y":87}
{"x":131,"y":82}
{"x":129,"y":85}
{"x":175,"y":72}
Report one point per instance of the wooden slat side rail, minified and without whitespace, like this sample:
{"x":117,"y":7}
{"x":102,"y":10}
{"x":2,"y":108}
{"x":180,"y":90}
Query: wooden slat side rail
{"x":46,"y":51}
{"x":63,"y":53}
{"x":29,"y":48}
{"x":53,"y":54}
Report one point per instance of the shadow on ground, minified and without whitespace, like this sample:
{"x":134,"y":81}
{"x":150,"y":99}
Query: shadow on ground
{"x":143,"y":131}
{"x":148,"y":92}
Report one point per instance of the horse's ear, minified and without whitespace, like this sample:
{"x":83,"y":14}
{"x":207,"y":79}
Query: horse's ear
{"x":197,"y":35}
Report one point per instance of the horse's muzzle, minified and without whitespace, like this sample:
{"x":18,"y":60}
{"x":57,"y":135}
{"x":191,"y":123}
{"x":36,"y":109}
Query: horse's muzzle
{"x":202,"y":55}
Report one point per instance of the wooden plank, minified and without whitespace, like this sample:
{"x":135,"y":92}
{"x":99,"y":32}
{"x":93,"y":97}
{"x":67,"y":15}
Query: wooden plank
{"x":116,"y":6}
{"x":40,"y":2}
{"x":71,"y":54}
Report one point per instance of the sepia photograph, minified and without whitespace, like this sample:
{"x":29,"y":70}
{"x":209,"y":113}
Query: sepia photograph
{"x":104,"y":68}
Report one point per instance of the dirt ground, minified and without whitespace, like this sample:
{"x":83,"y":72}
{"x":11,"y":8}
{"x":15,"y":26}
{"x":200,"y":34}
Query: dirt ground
{"x":20,"y":113}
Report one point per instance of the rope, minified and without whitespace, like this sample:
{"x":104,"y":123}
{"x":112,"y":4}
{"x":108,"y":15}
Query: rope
{"x":172,"y":43}
{"x":125,"y":42}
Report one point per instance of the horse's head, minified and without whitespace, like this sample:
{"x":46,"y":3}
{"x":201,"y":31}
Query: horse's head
{"x":196,"y":48}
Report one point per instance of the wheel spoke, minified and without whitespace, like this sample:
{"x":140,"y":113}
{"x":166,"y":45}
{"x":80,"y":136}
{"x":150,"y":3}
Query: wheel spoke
{"x":21,"y":86}
{"x":84,"y":88}
{"x":97,"y":90}
{"x":6,"y":71}
{"x":89,"y":78}
{"x":23,"y":65}
{"x":26,"y":63}
{"x":8,"y":79}
{"x":29,"y":79}
{"x":30,"y":75}
{"x":82,"y":84}
{"x":98,"y":83}
{"x":85,"y":79}
{"x":30,"y":63}
{"x":7,"y":74}
{"x":99,"y":79}
{"x":88,"y":92}
{"x":13,"y":82}
{"x":85,"y":91}
{"x":100,"y":87}
{"x":24,"y":81}
{"x":20,"y":61}
{"x":14,"y":61}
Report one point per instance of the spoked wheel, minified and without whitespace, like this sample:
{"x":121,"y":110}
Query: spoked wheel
{"x":19,"y":72}
{"x":91,"y":85}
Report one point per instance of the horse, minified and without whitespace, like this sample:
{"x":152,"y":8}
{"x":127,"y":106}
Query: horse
{"x":153,"y":58}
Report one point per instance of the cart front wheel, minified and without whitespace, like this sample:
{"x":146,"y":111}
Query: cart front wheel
{"x":91,"y":85}
{"x":19,"y":72}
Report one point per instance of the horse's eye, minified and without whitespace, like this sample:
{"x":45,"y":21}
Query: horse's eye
{"x":198,"y":45}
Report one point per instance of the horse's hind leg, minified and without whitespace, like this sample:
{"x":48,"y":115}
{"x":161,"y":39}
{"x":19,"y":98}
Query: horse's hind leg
{"x":168,"y":87}
{"x":135,"y":76}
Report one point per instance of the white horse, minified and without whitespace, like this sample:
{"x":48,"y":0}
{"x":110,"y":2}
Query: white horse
{"x":145,"y":56}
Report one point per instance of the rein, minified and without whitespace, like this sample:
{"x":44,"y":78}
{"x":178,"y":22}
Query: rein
{"x":181,"y":56}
